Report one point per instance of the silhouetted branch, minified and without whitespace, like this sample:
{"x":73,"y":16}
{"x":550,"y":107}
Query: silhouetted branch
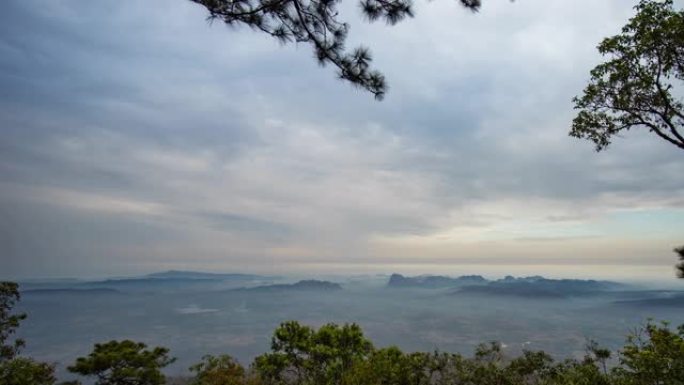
{"x":316,"y":22}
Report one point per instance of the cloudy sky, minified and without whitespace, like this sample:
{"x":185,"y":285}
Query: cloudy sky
{"x":136,"y":136}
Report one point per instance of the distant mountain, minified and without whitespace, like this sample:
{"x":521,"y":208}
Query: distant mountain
{"x":306,"y":285}
{"x":179,"y":274}
{"x":71,"y":291}
{"x":510,"y":278}
{"x":542,"y":287}
{"x":174,"y":280}
{"x":434,"y":281}
{"x":130,"y":282}
{"x":166,"y":281}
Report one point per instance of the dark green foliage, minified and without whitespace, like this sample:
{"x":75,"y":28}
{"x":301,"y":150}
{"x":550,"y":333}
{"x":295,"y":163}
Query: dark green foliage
{"x":26,"y":371}
{"x":389,"y":366}
{"x":634,"y":88}
{"x":124,"y":363}
{"x":16,"y":370}
{"x":221,"y":370}
{"x":316,"y":22}
{"x":599,"y":355}
{"x":680,"y":265}
{"x":572,"y":372}
{"x":9,"y":296}
{"x":529,"y":368}
{"x":653,"y":355}
{"x":301,"y":355}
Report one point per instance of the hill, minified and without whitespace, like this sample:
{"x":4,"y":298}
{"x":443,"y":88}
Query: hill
{"x":541,"y":287}
{"x":434,"y":281}
{"x":305,"y":285}
{"x":61,"y":291}
{"x":180,"y":274}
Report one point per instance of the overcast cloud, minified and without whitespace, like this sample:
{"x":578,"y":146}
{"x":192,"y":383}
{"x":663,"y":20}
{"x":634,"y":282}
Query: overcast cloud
{"x":137,"y":137}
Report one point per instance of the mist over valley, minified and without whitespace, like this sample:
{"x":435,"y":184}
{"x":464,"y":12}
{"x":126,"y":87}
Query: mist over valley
{"x":194,"y":314}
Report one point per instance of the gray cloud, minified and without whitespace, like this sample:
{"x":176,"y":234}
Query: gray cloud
{"x":136,"y":136}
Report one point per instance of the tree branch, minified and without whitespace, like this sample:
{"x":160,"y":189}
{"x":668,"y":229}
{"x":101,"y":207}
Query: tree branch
{"x":665,"y":96}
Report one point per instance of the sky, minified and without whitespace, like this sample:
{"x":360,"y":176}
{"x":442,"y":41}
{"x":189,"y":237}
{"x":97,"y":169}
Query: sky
{"x":138,"y":137}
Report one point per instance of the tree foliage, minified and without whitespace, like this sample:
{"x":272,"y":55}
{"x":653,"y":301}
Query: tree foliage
{"x":317,"y":23}
{"x":294,"y":361}
{"x":26,"y":371}
{"x":653,"y":355}
{"x":302,"y":355}
{"x":14,"y":369}
{"x":9,"y":322}
{"x":636,"y":86}
{"x":124,"y":363}
{"x":680,"y":265}
{"x":221,"y":370}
